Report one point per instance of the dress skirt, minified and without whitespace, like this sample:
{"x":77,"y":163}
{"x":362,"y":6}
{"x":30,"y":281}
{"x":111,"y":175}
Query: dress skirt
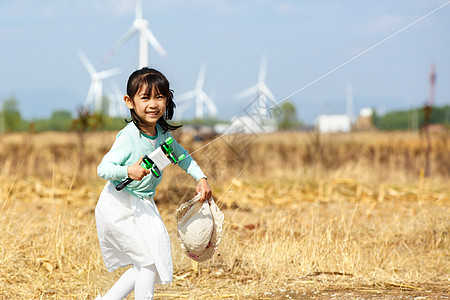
{"x":131,"y":232}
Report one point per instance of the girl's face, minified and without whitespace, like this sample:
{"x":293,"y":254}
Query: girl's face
{"x":148,"y":107}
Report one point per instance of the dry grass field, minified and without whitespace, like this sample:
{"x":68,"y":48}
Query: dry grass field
{"x":307,"y":216}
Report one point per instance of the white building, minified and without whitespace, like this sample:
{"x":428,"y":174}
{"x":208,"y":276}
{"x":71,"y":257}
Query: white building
{"x":333,"y":123}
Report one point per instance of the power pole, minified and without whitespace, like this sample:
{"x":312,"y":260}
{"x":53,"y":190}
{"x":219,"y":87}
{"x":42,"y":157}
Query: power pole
{"x":428,"y":107}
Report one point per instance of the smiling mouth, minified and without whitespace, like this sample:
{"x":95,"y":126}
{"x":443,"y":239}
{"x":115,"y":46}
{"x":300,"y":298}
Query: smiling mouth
{"x":153,"y":113}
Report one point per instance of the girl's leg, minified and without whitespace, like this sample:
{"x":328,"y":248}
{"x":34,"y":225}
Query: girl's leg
{"x":145,"y":283}
{"x":123,"y":286}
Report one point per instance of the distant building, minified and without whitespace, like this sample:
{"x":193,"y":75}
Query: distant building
{"x":333,"y":123}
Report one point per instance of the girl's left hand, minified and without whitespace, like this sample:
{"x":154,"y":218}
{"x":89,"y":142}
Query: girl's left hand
{"x":203,"y":188}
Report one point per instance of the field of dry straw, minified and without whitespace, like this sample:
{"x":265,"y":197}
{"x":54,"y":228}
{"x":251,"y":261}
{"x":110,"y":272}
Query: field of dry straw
{"x":307,"y":216}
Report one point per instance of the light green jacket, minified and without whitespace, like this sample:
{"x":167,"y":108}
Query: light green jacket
{"x":130,"y":145}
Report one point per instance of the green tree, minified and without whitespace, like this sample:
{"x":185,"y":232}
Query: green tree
{"x":10,"y":116}
{"x":41,"y":125}
{"x":60,"y":120}
{"x":403,"y":120}
{"x":440,"y":115}
{"x":110,"y":123}
{"x":288,"y":117}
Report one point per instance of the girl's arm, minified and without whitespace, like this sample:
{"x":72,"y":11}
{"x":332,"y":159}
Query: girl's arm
{"x":111,"y":167}
{"x":191,"y":167}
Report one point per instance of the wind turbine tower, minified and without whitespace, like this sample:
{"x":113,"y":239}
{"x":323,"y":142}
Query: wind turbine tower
{"x":140,"y":26}
{"x":95,"y":93}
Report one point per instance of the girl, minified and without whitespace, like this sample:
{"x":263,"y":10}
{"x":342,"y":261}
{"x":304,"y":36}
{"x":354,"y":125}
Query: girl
{"x":129,"y":226}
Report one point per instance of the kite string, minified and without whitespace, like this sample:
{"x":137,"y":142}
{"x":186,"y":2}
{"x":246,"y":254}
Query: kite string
{"x":358,"y":55}
{"x":338,"y":67}
{"x":224,"y":134}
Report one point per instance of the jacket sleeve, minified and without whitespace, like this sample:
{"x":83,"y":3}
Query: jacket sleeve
{"x":188,"y":164}
{"x":112,"y":166}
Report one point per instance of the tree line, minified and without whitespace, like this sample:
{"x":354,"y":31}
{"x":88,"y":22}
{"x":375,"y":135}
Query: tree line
{"x":61,"y":120}
{"x":412,"y":119}
{"x":85,"y":120}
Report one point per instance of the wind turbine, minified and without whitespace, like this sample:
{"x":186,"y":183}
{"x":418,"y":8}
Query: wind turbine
{"x":262,"y":92}
{"x":140,"y":26}
{"x":201,"y":98}
{"x":95,"y":93}
{"x":117,"y":107}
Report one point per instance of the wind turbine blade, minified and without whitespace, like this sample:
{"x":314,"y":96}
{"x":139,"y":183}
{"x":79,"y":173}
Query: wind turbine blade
{"x":98,"y":94}
{"x":265,"y":90}
{"x":183,"y":107}
{"x":154,"y":42}
{"x":130,"y":32}
{"x":262,"y":69}
{"x":248,"y":92}
{"x":115,"y":89}
{"x":201,"y":76}
{"x":212,"y":95}
{"x":139,"y":9}
{"x":209,"y":103}
{"x":180,"y":110}
{"x":108,"y":73}
{"x":121,"y":109}
{"x":185,"y":96}
{"x":87,"y":64}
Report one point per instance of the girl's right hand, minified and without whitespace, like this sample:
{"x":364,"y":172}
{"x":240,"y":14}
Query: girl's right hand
{"x":136,"y":172}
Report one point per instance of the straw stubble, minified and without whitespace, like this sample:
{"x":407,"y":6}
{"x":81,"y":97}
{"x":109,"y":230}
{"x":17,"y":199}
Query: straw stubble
{"x":331,"y":216}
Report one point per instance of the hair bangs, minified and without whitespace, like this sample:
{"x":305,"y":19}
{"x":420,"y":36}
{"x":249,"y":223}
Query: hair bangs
{"x":153,"y":82}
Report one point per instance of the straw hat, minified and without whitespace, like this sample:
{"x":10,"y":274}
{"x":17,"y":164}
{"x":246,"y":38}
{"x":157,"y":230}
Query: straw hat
{"x":199,"y":227}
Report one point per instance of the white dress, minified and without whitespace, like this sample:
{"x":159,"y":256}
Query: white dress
{"x":131,"y":232}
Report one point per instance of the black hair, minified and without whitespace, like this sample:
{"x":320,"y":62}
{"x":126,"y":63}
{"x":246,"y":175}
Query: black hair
{"x":151,"y":79}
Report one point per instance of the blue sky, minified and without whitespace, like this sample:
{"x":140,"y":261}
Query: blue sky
{"x":302,"y":40}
